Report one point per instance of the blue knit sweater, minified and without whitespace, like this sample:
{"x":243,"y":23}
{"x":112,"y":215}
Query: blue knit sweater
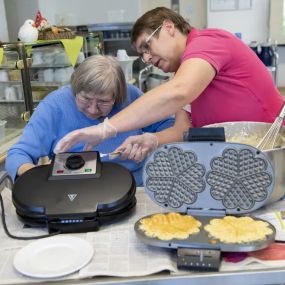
{"x":58,"y":115}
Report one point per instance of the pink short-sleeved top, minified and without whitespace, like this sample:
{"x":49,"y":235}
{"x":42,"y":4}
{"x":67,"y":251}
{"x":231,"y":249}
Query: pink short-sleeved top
{"x":243,"y":88}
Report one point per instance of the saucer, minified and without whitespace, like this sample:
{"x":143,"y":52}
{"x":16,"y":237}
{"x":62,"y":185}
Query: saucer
{"x":53,"y":257}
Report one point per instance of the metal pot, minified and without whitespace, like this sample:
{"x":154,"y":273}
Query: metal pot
{"x":255,"y":131}
{"x":155,"y":79}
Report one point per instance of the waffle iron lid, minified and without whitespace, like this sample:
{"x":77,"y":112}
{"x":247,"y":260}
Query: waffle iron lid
{"x":208,"y":177}
{"x":35,"y":193}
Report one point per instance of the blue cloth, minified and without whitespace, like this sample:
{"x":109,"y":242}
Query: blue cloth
{"x":58,"y":115}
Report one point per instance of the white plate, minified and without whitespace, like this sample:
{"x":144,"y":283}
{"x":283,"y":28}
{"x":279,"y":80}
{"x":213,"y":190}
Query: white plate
{"x":53,"y":257}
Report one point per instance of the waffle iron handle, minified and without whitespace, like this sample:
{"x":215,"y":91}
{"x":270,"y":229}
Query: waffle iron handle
{"x":196,"y":259}
{"x":205,"y":134}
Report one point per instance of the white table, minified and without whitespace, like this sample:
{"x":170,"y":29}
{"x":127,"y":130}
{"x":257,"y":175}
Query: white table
{"x":8,"y":274}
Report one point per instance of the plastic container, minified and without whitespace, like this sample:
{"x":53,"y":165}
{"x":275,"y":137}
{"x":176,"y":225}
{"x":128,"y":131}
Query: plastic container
{"x":155,"y":79}
{"x":127,"y":66}
{"x":266,"y":54}
{"x":2,"y":129}
{"x":126,"y":63}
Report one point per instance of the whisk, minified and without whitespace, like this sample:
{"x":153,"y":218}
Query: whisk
{"x":269,"y":139}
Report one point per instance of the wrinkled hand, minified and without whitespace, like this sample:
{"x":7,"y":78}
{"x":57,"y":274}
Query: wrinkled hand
{"x":24,"y":168}
{"x":137,"y":147}
{"x":91,"y":136}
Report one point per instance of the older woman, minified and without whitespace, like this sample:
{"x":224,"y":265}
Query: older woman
{"x":97,"y":92}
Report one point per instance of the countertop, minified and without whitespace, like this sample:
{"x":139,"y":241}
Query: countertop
{"x":89,"y":274}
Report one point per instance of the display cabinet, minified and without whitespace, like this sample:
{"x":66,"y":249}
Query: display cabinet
{"x":27,"y":74}
{"x":15,"y":98}
{"x":50,"y":69}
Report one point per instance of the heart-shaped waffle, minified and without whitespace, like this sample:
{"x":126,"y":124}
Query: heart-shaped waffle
{"x":238,"y":178}
{"x":175,"y":177}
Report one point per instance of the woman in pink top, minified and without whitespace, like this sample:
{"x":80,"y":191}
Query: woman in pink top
{"x":215,"y":72}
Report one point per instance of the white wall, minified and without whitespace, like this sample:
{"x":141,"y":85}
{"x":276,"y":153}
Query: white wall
{"x":75,"y":12}
{"x":253,"y":23}
{"x":195,"y":12}
{"x":17,"y":12}
{"x":67,"y":12}
{"x":148,"y":5}
{"x":80,"y":12}
{"x":3,"y":23}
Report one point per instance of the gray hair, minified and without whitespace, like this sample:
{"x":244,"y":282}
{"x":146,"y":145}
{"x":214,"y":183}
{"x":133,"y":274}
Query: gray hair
{"x":100,"y":74}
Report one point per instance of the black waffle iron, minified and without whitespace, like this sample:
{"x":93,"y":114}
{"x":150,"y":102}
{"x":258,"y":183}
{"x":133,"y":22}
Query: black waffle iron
{"x":207,"y":179}
{"x":76,"y":193}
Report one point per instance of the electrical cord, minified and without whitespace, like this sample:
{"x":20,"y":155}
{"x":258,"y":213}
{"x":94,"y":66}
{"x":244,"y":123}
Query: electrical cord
{"x":19,"y":237}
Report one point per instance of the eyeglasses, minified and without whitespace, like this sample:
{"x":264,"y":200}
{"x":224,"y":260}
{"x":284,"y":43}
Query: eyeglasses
{"x":99,"y":103}
{"x":145,"y":48}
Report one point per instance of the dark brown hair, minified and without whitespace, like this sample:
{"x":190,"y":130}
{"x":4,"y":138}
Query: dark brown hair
{"x":152,"y":19}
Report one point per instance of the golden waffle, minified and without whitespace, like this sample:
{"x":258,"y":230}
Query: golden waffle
{"x":169,"y":226}
{"x":238,"y":229}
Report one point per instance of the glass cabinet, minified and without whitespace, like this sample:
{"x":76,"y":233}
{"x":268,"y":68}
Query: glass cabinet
{"x":50,"y":69}
{"x":14,"y":95}
{"x":27,"y":74}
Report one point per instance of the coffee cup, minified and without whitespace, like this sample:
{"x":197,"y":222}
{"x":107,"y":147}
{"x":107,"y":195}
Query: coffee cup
{"x":60,"y":75}
{"x":37,"y":58}
{"x":2,"y":92}
{"x":38,"y":75}
{"x":61,"y":58}
{"x":48,"y":58}
{"x":19,"y":91}
{"x":122,"y":54}
{"x":11,"y":93}
{"x":69,"y":71}
{"x":3,"y":75}
{"x":48,"y":75}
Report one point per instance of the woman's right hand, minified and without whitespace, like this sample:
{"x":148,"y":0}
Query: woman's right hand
{"x":137,"y":147}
